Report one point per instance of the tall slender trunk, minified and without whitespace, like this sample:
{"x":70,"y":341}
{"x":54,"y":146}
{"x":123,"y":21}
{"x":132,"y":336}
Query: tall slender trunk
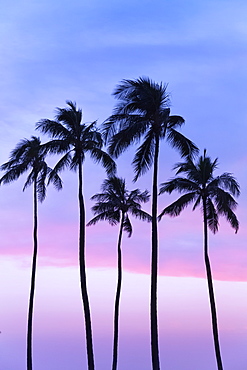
{"x":117,"y":299}
{"x":33,"y":274}
{"x":85,"y":300}
{"x":211,"y":291}
{"x":154,"y":266}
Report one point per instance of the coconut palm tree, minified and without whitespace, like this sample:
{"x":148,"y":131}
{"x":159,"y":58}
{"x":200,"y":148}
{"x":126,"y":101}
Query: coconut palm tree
{"x":114,"y":205}
{"x":143,"y":112}
{"x":30,"y":155}
{"x":74,"y":140}
{"x":215,"y":195}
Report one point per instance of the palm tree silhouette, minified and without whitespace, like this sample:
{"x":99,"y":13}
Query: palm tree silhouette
{"x":30,"y":155}
{"x":142,"y":111}
{"x":76,"y":139}
{"x":114,"y":205}
{"x":215,"y":194}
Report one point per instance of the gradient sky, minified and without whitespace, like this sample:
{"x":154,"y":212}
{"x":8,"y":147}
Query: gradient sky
{"x":79,"y":51}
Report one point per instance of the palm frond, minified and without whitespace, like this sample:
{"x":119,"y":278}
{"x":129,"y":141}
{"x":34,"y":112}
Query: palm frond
{"x":55,"y":179}
{"x":223,"y":199}
{"x":99,"y":155}
{"x":42,"y":173}
{"x":100,"y":197}
{"x":232,"y":219}
{"x":143,"y":93}
{"x":53,"y":128}
{"x":175,"y":121}
{"x":130,"y":131}
{"x":176,"y":207}
{"x":140,"y":214}
{"x":63,"y":163}
{"x":26,"y":149}
{"x":75,"y":160}
{"x":191,"y":170}
{"x":229,"y":183}
{"x":185,"y":167}
{"x":226,"y":204}
{"x":205,"y":168}
{"x":127,"y":225}
{"x":111,"y":217}
{"x":30,"y":179}
{"x":107,"y":207}
{"x":197,"y":202}
{"x":91,"y":129}
{"x":185,"y":146}
{"x":57,"y":146}
{"x":13,"y":173}
{"x":144,"y":156}
{"x":180,"y":184}
{"x":113,"y":183}
{"x":41,"y":189}
{"x":70,"y":117}
{"x":212,"y":216}
{"x":138,"y":197}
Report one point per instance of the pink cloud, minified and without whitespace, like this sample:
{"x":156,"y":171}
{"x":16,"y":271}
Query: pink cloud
{"x":180,"y":246}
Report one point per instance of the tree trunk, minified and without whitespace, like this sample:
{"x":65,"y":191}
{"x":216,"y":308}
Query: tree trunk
{"x":211,"y":291}
{"x":85,"y":300}
{"x":154,"y":266}
{"x":33,"y":274}
{"x":117,"y":300}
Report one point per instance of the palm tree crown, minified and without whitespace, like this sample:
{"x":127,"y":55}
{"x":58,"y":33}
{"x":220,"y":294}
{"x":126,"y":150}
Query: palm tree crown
{"x":74,"y":138}
{"x":200,"y":185}
{"x":143,"y":111}
{"x":30,"y":155}
{"x":115,"y":201}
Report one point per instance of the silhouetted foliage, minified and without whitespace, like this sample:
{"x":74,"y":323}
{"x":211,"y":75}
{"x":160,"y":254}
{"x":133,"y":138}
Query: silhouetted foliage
{"x":143,"y":114}
{"x":74,"y":140}
{"x":215,"y":196}
{"x":30,"y":155}
{"x":114,"y":205}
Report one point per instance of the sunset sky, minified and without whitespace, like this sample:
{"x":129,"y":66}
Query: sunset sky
{"x":80,"y":50}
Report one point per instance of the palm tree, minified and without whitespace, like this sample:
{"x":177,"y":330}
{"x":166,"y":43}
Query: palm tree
{"x":215,"y":195}
{"x":30,"y":155}
{"x":74,"y":139}
{"x":114,"y":205}
{"x":143,"y":112}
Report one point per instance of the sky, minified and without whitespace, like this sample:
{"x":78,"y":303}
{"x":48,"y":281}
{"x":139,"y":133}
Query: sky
{"x":79,"y":51}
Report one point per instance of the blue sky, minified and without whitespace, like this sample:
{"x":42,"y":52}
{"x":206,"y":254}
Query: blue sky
{"x":79,"y":51}
{"x":54,"y":52}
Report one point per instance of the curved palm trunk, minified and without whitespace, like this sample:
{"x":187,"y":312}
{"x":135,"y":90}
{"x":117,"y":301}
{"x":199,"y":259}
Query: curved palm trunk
{"x":87,"y":316}
{"x":33,"y":274}
{"x":211,"y":291}
{"x":154,"y":266}
{"x":117,"y":299}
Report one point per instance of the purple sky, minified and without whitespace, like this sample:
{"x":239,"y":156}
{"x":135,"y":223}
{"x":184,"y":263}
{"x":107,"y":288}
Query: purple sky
{"x":53,"y":52}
